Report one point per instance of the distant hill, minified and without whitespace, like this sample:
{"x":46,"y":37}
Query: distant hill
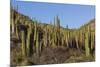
{"x":90,"y":24}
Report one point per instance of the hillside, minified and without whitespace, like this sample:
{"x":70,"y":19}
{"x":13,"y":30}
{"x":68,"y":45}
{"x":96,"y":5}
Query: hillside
{"x":33,"y":42}
{"x":90,"y":24}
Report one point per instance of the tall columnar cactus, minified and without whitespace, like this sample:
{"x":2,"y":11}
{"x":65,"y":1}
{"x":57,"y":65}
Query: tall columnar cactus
{"x":53,"y":40}
{"x":40,"y":47}
{"x":37,"y":43}
{"x":81,"y":37}
{"x":92,"y":40}
{"x":62,"y":39}
{"x":70,"y":38}
{"x":58,"y":30}
{"x":53,"y":36}
{"x":12,"y":22}
{"x":58,"y":22}
{"x":67,"y":35}
{"x":16,"y":29}
{"x":36,"y":38}
{"x":76,"y":38}
{"x":35,"y":31}
{"x":49,"y":36}
{"x":29,"y":31}
{"x":50,"y":39}
{"x":23,"y":44}
{"x":45,"y":37}
{"x":87,"y":49}
{"x":16,"y":23}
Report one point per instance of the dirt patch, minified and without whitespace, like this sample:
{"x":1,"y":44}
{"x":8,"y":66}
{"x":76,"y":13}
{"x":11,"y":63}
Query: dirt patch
{"x":55,"y":55}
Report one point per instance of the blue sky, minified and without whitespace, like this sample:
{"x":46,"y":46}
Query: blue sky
{"x":70,"y":14}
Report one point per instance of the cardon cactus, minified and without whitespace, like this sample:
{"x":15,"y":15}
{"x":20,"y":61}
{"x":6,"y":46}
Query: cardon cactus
{"x":87,"y":49}
{"x":37,"y":44}
{"x":29,"y":31}
{"x":23,"y":44}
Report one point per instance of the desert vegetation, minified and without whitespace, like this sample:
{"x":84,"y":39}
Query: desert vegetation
{"x":35,"y":43}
